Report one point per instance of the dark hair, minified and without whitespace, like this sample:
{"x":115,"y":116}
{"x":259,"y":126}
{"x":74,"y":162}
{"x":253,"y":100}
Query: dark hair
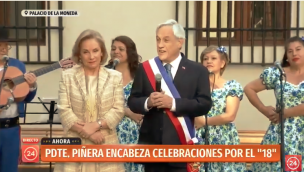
{"x":284,"y":62}
{"x":133,"y":57}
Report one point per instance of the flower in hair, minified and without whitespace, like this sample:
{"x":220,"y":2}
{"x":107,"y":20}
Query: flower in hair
{"x":222,"y":49}
{"x":302,"y":38}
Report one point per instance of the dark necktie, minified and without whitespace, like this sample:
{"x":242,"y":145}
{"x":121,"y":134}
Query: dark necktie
{"x":168,"y":69}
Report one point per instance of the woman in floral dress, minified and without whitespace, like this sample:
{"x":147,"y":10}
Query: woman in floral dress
{"x":124,"y":49}
{"x":226,"y":97}
{"x":293,"y":65}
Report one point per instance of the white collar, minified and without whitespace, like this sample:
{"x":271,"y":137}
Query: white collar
{"x":175,"y":63}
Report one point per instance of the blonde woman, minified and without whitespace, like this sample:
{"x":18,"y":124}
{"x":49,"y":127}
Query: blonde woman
{"x":226,"y":98}
{"x":91,"y":102}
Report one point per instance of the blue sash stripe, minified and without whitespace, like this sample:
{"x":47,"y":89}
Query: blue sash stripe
{"x":175,"y":93}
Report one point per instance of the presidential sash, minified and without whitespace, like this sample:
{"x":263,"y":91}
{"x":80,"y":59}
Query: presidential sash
{"x":183,"y":125}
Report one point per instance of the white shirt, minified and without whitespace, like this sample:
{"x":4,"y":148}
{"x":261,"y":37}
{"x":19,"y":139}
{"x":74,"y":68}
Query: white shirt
{"x":174,"y":67}
{"x":12,"y":111}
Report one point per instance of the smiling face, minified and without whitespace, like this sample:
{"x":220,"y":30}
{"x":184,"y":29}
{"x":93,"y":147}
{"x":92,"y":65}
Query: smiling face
{"x":90,"y":54}
{"x":119,"y":51}
{"x":168,"y":46}
{"x":213,"y":62}
{"x":295,"y":53}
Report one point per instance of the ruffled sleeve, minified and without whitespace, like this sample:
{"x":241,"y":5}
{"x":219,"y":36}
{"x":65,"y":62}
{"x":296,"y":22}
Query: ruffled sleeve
{"x":235,"y":89}
{"x":269,"y":77}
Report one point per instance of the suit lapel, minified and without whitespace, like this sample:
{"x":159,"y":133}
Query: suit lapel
{"x":80,"y":79}
{"x":181,"y":74}
{"x":102,"y":79}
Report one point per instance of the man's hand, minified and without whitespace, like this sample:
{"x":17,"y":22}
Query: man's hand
{"x":161,"y":100}
{"x":31,"y":79}
{"x":152,"y":98}
{"x":89,"y":129}
{"x":97,"y":138}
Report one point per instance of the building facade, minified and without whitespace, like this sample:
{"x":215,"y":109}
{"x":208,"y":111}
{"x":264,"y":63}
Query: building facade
{"x":44,"y":40}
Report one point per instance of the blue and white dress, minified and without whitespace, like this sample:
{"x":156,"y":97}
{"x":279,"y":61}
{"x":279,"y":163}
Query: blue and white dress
{"x":128,"y":133}
{"x":294,"y":127}
{"x":226,"y":134}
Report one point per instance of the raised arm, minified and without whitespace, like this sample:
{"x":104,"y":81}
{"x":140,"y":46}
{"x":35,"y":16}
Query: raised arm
{"x":251,"y":90}
{"x":267,"y":80}
{"x":201,"y":103}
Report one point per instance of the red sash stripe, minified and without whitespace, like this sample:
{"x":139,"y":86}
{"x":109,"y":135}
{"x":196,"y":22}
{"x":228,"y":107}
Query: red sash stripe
{"x":173,"y":119}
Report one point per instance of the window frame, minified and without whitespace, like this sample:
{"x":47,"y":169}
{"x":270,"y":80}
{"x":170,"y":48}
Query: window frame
{"x":42,"y":23}
{"x":239,"y":39}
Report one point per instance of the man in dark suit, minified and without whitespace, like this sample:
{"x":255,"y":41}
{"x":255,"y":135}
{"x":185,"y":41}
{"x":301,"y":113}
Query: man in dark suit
{"x":190,"y":79}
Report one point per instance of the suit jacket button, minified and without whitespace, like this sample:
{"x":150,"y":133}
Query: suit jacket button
{"x":6,"y":125}
{"x":160,"y":129}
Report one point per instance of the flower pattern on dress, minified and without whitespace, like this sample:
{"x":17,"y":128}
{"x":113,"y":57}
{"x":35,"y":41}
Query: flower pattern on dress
{"x":293,"y":127}
{"x":128,"y":133}
{"x":225,"y":134}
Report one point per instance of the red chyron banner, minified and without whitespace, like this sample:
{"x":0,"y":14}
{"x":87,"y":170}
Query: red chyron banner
{"x":160,"y":153}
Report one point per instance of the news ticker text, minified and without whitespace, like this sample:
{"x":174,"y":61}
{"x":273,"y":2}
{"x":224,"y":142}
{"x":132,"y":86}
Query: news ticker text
{"x":160,"y":153}
{"x":72,"y":150}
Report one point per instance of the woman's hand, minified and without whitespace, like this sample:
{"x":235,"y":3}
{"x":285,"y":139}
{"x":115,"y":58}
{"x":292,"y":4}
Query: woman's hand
{"x":77,"y":127}
{"x":199,"y":122}
{"x":271,"y":114}
{"x":88,"y":129}
{"x":275,"y":118}
{"x":97,"y":138}
{"x":269,"y":111}
{"x":134,"y":116}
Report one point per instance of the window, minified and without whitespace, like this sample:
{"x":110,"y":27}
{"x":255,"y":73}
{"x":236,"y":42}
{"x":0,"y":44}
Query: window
{"x":232,"y":24}
{"x":10,"y":15}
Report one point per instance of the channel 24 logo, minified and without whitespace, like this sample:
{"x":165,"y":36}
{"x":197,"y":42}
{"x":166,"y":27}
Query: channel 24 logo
{"x":30,"y":153}
{"x":293,"y":162}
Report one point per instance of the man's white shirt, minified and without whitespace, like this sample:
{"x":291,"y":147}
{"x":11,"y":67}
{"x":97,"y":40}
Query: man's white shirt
{"x":174,"y":67}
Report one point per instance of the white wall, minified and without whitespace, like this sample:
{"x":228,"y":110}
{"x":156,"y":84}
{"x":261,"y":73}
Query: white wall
{"x":138,"y":20}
